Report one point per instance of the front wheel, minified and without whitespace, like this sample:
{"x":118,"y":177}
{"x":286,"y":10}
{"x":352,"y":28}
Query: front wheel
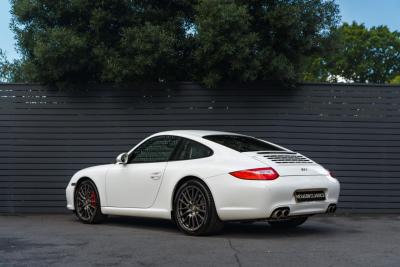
{"x":288,"y":223}
{"x":194,"y":210}
{"x":87,"y":203}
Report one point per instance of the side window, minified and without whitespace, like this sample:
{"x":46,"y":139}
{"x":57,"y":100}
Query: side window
{"x":189,"y":149}
{"x":156,"y":149}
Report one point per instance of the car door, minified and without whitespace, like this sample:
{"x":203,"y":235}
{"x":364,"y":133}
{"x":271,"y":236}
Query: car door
{"x":135,"y":184}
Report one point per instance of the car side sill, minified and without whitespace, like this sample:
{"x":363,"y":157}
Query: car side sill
{"x":137,"y":212}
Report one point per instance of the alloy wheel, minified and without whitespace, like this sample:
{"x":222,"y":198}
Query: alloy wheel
{"x":192,"y":208}
{"x":86,"y":200}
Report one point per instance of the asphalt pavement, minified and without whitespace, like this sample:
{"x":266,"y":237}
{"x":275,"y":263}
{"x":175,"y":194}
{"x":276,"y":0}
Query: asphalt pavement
{"x":61,"y":240}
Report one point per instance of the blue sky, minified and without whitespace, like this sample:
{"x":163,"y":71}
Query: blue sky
{"x":370,"y":12}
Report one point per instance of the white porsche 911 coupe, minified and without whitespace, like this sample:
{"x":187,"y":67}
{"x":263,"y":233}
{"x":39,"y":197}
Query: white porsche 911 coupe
{"x":200,"y":179}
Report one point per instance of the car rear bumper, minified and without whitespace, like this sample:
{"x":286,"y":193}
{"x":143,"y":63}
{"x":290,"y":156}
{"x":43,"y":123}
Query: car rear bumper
{"x":237,"y":199}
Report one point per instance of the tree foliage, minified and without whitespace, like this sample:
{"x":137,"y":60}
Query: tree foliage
{"x":9,"y":70}
{"x":362,"y":55}
{"x":226,"y":46}
{"x":75,"y":41}
{"x":395,"y":80}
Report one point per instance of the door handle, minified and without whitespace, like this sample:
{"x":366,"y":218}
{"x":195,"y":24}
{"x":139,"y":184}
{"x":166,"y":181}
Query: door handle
{"x":155,"y":175}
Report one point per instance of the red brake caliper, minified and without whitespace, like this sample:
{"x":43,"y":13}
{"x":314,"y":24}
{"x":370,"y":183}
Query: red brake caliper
{"x":93,"y":199}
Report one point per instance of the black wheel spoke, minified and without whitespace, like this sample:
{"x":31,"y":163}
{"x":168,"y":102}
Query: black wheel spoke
{"x":196,"y":196}
{"x":183,"y":204}
{"x":86,"y":201}
{"x":81,"y":195}
{"x":191,"y":208}
{"x":187,"y":198}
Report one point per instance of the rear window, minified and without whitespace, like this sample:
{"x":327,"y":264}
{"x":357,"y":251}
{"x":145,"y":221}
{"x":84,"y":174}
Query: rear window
{"x":242,"y":143}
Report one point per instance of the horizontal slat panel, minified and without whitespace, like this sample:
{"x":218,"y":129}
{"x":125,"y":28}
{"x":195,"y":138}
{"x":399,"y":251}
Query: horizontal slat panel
{"x":35,"y":178}
{"x":211,"y":113}
{"x":370,"y":113}
{"x":300,"y":107}
{"x":293,"y":119}
{"x":371,"y":199}
{"x":284,"y":113}
{"x":350,"y":211}
{"x":33,"y":184}
{"x":36,"y":209}
{"x":173,"y":121}
{"x":361,"y":174}
{"x":31,"y":191}
{"x":26,"y":197}
{"x":53,"y":160}
{"x":35,"y":203}
{"x":309,"y":90}
{"x":61,"y":159}
{"x":367,"y":205}
{"x":366,"y":192}
{"x":61,"y":148}
{"x":383,"y":133}
{"x":65,"y":172}
{"x":110,"y":155}
{"x":62,"y":154}
{"x":342,"y":149}
{"x":359,"y":186}
{"x":368,"y":180}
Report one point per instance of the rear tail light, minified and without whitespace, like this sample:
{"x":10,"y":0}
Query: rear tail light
{"x":256,"y":174}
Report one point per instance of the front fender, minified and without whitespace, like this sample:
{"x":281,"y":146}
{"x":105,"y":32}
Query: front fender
{"x":97,"y":174}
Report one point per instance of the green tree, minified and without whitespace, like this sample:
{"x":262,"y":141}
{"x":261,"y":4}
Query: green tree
{"x":88,"y":40}
{"x":362,"y":55}
{"x":4,"y":67}
{"x":291,"y":32}
{"x":75,"y":41}
{"x":10,"y":71}
{"x":395,"y":80}
{"x":226,"y":46}
{"x":261,"y":40}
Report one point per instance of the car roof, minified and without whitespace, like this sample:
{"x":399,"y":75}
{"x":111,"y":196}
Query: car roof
{"x":194,"y":133}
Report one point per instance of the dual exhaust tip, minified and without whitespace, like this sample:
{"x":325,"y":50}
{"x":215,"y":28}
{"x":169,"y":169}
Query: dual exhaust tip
{"x":331,"y":208}
{"x":280,"y":213}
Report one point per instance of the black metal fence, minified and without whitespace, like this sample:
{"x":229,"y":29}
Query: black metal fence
{"x":47,"y":134}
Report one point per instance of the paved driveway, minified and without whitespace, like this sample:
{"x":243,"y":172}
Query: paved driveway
{"x":40,"y":240}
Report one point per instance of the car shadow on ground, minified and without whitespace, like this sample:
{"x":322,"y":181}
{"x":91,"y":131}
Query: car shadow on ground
{"x":256,"y":230}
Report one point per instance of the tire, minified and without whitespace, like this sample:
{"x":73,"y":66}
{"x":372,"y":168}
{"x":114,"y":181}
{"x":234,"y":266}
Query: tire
{"x":194,"y":210}
{"x":289,"y":223}
{"x":87,"y":203}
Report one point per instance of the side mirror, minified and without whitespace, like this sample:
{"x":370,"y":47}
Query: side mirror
{"x":122,"y":158}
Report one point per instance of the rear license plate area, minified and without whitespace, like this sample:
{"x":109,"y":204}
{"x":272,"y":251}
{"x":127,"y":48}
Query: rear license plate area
{"x":309,"y":195}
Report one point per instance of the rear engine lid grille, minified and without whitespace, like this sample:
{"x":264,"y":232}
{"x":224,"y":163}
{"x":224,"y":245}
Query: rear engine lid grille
{"x":286,"y":157}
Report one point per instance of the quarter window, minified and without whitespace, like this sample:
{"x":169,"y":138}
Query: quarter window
{"x":156,"y":149}
{"x":189,"y":149}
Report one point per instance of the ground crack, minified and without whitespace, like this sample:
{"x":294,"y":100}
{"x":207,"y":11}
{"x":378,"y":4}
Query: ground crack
{"x":236,"y":254}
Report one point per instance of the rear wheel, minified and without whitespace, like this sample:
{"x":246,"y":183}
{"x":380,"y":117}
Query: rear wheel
{"x":194,"y":209}
{"x":288,"y":223}
{"x":87,"y":203}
